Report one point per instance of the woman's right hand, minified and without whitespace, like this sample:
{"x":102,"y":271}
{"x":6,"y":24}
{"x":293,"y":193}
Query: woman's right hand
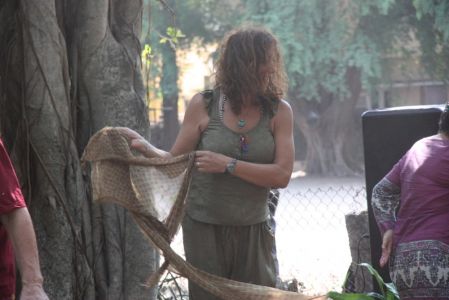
{"x":129,"y":133}
{"x":387,"y":245}
{"x":140,"y":144}
{"x":137,"y":141}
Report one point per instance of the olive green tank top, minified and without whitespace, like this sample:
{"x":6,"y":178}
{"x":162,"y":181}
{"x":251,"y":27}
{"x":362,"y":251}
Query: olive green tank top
{"x":221,"y":198}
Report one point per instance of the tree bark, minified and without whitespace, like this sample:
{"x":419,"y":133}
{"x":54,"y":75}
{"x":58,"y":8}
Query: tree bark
{"x":71,"y":68}
{"x":112,"y":91}
{"x":331,"y":129}
{"x":54,"y":178}
{"x":170,"y":97}
{"x":361,"y":281}
{"x":169,"y":87}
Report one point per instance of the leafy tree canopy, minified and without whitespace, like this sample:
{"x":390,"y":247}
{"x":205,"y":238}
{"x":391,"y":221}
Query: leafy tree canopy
{"x":322,"y":39}
{"x":432,"y":30}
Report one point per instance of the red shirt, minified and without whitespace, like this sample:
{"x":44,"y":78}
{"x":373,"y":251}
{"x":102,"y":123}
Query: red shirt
{"x":10,"y":198}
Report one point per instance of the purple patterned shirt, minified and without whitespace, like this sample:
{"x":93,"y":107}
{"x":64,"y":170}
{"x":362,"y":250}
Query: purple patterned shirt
{"x":423,"y":177}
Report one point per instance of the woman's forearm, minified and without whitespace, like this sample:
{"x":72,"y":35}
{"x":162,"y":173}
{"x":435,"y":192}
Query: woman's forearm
{"x":385,"y":200}
{"x":276,"y":175}
{"x":266,"y":175}
{"x":20,"y":230}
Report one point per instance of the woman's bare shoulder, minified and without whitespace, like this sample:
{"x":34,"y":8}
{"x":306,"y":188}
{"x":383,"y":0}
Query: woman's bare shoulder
{"x":282,"y":115}
{"x":197,"y":104}
{"x":284,"y":105}
{"x":284,"y":110}
{"x":197,"y":111}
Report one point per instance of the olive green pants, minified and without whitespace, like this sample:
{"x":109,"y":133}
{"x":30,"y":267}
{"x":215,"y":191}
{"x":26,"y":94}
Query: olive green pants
{"x":241,"y":253}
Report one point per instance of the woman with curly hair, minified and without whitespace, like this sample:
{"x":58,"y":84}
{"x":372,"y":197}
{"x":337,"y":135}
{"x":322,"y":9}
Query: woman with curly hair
{"x":242,"y":135}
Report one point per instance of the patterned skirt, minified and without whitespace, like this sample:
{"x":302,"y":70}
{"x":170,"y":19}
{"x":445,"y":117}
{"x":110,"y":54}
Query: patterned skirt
{"x":420,"y":270}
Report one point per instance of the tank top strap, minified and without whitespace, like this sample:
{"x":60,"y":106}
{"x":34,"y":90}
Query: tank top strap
{"x":269,"y":110}
{"x":271,"y":107}
{"x":211,"y":100}
{"x":207,"y":98}
{"x":274,"y":106}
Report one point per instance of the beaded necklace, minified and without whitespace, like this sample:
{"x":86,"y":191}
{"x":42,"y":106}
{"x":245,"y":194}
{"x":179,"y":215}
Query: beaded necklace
{"x":241,"y":122}
{"x":243,"y":139}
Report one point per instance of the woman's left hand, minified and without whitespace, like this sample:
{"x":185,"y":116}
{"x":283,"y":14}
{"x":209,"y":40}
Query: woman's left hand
{"x":387,"y":245}
{"x":211,"y":162}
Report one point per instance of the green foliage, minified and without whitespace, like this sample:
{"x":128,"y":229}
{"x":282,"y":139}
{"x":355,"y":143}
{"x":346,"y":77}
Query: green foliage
{"x":388,"y":290}
{"x":201,"y":21}
{"x":174,"y":33}
{"x":163,"y":36}
{"x":324,"y":43}
{"x":321,"y":40}
{"x":172,"y":37}
{"x":432,"y":30}
{"x":348,"y":296}
{"x":206,"y":21}
{"x":146,"y":55}
{"x":438,"y":11}
{"x":173,"y":25}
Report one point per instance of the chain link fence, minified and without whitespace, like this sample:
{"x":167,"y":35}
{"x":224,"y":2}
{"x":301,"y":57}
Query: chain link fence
{"x":321,"y":234}
{"x":312,"y":238}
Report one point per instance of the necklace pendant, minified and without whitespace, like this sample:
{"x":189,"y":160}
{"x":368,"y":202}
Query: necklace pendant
{"x":241,"y":123}
{"x":243,"y":145}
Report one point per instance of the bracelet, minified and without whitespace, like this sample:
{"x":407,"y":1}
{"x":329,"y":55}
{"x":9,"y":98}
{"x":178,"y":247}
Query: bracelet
{"x":230,"y":167}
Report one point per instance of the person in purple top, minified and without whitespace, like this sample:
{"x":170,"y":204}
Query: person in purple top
{"x":411,"y":207}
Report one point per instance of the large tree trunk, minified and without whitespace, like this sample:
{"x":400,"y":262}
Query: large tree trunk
{"x":37,"y":91}
{"x":169,"y":87}
{"x":70,"y":70}
{"x":170,"y":97}
{"x":331,"y":131}
{"x":112,"y":93}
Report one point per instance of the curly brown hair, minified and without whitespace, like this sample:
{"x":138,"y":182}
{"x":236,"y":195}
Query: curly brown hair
{"x":250,"y":64}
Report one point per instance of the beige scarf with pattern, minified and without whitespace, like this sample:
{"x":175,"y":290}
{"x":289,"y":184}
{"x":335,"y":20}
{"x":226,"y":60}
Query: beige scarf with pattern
{"x":154,"y":191}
